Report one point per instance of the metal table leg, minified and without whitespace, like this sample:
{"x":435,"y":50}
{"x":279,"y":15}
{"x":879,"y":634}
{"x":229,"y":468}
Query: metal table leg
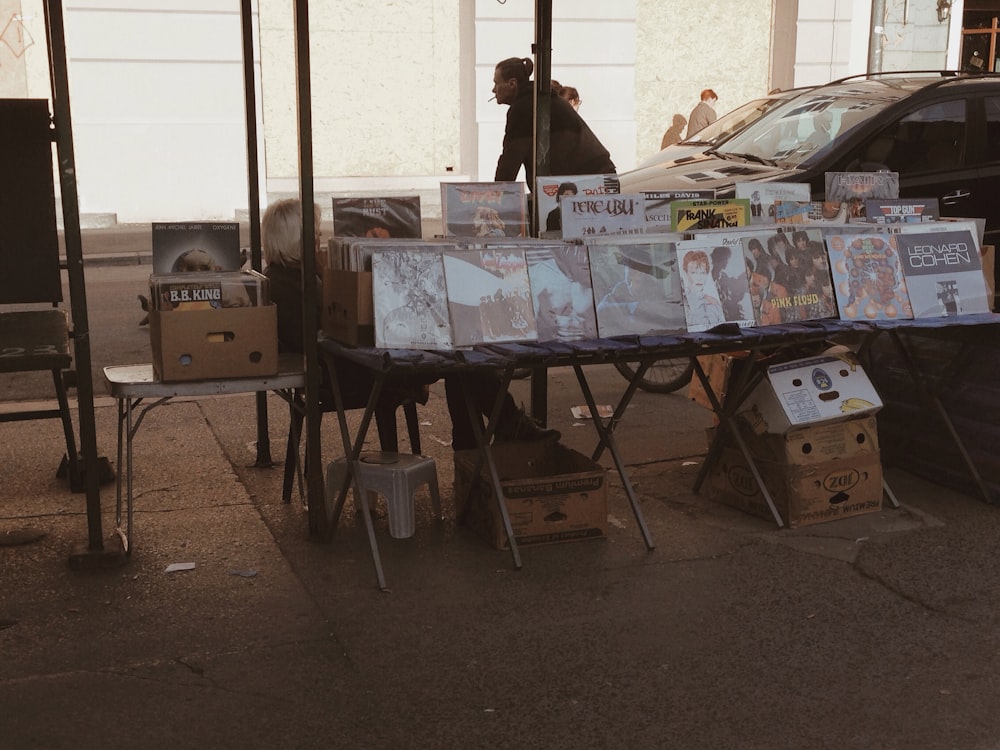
{"x":607,"y":440}
{"x":485,"y":453}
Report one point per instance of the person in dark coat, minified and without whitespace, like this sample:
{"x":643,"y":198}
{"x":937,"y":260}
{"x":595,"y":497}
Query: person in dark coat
{"x":573,"y":147}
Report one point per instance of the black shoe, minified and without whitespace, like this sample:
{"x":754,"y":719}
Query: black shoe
{"x":522,"y":428}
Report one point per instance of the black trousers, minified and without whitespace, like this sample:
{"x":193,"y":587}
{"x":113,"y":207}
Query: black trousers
{"x":483,"y":387}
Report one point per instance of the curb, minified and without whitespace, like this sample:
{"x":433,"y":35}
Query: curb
{"x":113,"y":259}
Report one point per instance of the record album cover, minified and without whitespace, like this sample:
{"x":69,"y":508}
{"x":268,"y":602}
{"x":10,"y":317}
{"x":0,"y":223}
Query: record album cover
{"x":411,"y":310}
{"x":944,"y":273}
{"x":484,"y":209}
{"x":391,"y":216}
{"x":637,"y":287}
{"x":562,"y":292}
{"x":489,"y":296}
{"x":196,"y":246}
{"x":867,"y":278}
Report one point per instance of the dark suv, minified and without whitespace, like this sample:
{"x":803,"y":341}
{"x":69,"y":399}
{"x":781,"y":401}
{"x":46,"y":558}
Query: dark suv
{"x":939,"y":129}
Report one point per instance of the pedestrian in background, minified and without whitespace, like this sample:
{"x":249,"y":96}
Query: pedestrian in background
{"x":704,"y":112}
{"x":673,"y":134}
{"x":570,"y":94}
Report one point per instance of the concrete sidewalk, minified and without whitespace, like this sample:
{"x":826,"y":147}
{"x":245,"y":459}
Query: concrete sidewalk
{"x":877,"y":631}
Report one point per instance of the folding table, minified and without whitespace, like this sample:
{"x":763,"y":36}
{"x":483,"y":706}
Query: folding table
{"x":385,"y":364}
{"x":131,"y":384}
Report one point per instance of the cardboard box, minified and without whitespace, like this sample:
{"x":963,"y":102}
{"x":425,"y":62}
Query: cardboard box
{"x":553,"y":494}
{"x":348,"y":312}
{"x":817,"y":443}
{"x":804,"y":494}
{"x":826,"y":388}
{"x":234,"y":342}
{"x":719,"y":371}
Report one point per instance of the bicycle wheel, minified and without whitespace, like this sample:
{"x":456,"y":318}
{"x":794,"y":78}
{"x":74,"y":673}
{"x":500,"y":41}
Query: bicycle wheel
{"x":663,"y":376}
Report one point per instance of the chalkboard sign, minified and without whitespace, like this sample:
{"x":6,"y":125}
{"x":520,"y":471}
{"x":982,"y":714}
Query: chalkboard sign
{"x":29,"y":244}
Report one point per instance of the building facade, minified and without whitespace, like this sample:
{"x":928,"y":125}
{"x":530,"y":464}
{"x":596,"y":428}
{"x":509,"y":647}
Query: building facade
{"x":401,"y":90}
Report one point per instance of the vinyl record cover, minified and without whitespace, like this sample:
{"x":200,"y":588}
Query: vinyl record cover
{"x":687,"y":216}
{"x":208,"y":290}
{"x":562,"y":292}
{"x":484,"y":209}
{"x":411,"y":309}
{"x":658,"y":206}
{"x":390,"y":216}
{"x":852,"y":189}
{"x":902,"y":210}
{"x":552,"y":189}
{"x":763,"y":195}
{"x":867,"y":278}
{"x":789,"y":275}
{"x":944,"y":273}
{"x":637,"y":287}
{"x":489,"y":296}
{"x":196,"y":246}
{"x":714,"y":284}
{"x":810,"y":212}
{"x":590,"y":216}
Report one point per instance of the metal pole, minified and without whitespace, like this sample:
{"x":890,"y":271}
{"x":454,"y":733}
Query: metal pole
{"x":253,"y":204}
{"x":543,"y":118}
{"x":543,"y":106}
{"x":63,"y":136}
{"x":314,"y":470}
{"x":876,"y":37}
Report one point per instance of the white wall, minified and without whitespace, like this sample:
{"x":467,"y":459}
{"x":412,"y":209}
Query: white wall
{"x":914,"y":38}
{"x":400,"y":89}
{"x":831,"y":40}
{"x":682,"y":48}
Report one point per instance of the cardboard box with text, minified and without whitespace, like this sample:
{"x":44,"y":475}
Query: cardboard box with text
{"x":825,"y":388}
{"x":553,"y":494}
{"x":804,"y":494}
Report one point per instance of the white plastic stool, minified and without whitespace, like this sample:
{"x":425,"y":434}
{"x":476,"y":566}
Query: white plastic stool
{"x":395,"y":476}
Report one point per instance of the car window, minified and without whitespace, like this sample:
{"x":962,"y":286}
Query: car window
{"x":811,"y":125}
{"x":929,"y":139}
{"x":993,"y":128}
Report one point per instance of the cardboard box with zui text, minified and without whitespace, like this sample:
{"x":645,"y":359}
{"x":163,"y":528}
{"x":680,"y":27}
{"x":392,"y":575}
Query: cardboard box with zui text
{"x":347,"y":313}
{"x":803,"y":494}
{"x":826,"y":388}
{"x":237,"y":342}
{"x":553,"y":494}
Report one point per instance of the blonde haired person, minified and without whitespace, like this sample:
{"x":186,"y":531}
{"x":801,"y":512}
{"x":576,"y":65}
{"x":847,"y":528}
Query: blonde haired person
{"x":281,"y":237}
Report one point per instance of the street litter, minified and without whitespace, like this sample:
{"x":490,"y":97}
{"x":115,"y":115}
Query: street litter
{"x":174,"y":567}
{"x":604,"y":411}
